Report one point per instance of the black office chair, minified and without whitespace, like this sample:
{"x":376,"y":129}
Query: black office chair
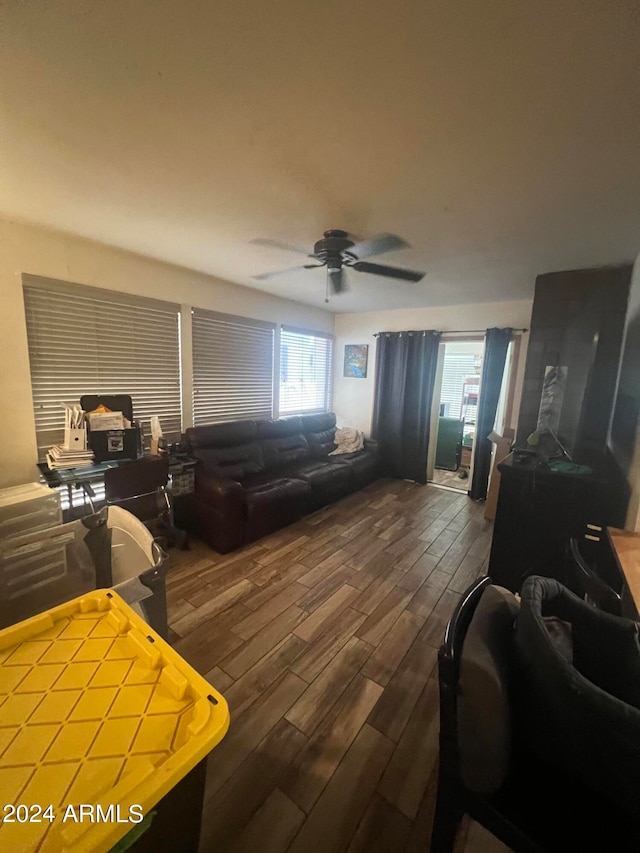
{"x":586,"y":582}
{"x":488,"y":767}
{"x":141,"y":487}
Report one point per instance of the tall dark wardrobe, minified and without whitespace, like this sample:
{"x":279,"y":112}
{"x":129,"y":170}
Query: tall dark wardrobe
{"x":570,"y":478}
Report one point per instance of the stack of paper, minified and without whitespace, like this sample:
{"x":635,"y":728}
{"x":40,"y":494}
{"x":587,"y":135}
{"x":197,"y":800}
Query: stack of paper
{"x":103,"y":421}
{"x":61,"y":457}
{"x":73,"y":416}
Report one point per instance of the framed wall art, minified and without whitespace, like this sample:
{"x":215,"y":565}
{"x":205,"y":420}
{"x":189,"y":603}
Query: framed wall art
{"x":355,"y":360}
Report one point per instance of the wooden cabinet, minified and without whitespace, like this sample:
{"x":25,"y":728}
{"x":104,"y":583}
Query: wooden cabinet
{"x":577,"y":323}
{"x":465,"y":458}
{"x":538,"y":511}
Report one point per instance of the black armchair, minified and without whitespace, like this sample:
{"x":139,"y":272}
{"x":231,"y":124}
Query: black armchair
{"x":491,"y":766}
{"x":588,"y":583}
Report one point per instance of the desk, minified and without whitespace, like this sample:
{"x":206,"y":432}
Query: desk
{"x":84,"y":478}
{"x":538,"y":511}
{"x":626,"y":549}
{"x":75,"y":478}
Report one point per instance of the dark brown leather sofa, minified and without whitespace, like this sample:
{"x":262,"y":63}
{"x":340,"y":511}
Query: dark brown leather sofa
{"x":254,"y":477}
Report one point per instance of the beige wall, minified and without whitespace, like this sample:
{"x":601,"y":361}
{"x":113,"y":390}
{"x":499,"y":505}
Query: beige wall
{"x":353,"y":398}
{"x":26,"y":249}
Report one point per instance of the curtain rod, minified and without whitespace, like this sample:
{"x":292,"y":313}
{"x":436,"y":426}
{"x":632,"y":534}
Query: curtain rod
{"x":474,"y":331}
{"x":453,"y":332}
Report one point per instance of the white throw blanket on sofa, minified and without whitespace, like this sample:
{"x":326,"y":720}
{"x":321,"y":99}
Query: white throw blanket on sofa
{"x":348,"y":441}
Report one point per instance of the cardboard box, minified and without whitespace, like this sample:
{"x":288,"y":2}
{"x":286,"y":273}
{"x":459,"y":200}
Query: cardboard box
{"x":502,"y":450}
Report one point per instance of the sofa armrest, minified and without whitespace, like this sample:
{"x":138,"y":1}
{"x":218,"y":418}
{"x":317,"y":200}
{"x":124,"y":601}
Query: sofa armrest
{"x":219,"y":505}
{"x":372,"y":444}
{"x":219,"y":492}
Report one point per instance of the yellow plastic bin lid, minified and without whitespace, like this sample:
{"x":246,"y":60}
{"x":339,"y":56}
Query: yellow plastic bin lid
{"x":96,"y":711}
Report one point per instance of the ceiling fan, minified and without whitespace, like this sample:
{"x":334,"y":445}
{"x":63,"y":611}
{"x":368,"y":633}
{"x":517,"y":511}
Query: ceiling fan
{"x":336,"y":251}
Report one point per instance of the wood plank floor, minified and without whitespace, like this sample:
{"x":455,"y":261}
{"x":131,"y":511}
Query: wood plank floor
{"x":323,"y":638}
{"x":450,"y":479}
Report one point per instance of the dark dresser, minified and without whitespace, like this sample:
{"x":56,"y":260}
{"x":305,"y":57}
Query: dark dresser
{"x":540,"y":510}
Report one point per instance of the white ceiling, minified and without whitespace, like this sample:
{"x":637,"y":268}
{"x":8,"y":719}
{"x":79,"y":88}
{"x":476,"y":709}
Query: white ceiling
{"x":501,"y":138}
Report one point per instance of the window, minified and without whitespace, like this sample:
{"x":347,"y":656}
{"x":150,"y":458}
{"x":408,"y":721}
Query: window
{"x":232,"y":368}
{"x":457,"y":368}
{"x":83,"y":340}
{"x":305,"y":371}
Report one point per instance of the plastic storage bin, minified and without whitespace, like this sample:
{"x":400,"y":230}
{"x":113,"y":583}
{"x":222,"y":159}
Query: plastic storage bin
{"x":116,"y":444}
{"x":99,"y":711}
{"x":183,"y":479}
{"x":27,"y":508}
{"x":111,"y":548}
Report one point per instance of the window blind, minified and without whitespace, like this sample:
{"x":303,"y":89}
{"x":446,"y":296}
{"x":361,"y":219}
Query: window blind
{"x":232,"y":368}
{"x":457,"y":367}
{"x":83,"y":340}
{"x":305,"y":371}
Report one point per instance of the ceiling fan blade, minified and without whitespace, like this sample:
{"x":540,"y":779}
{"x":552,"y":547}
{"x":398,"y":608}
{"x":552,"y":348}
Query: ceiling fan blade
{"x":277,"y":244}
{"x":336,"y":280}
{"x":390,"y":272}
{"x":377,"y":246}
{"x":267,"y":275}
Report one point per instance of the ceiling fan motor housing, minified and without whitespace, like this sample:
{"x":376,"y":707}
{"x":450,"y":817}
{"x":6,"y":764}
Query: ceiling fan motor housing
{"x":336,"y":251}
{"x":330,"y":250}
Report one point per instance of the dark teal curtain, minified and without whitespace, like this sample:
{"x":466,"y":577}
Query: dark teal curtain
{"x":495,"y":356}
{"x":405,"y":374}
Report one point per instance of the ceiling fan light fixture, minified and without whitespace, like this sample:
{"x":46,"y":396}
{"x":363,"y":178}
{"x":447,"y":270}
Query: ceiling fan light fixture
{"x":336,"y":251}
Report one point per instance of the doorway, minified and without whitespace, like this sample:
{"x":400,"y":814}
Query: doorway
{"x":456,"y":395}
{"x":454,"y":413}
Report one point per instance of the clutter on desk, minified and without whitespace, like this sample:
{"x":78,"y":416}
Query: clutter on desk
{"x":566,"y":466}
{"x":61,"y":457}
{"x":159,"y":444}
{"x":73,"y":453}
{"x":75,"y":430}
{"x":113,"y":434}
{"x":102,"y":421}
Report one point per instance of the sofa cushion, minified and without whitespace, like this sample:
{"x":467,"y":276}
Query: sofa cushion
{"x":273,"y":505}
{"x":283,"y":443}
{"x":320,"y":430}
{"x":362,"y":464}
{"x":251,"y":481}
{"x":318,"y":423}
{"x":280,"y":428}
{"x":235,"y":463}
{"x":221,"y":435}
{"x":484,"y":718}
{"x":324,"y":476}
{"x":228,"y":450}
